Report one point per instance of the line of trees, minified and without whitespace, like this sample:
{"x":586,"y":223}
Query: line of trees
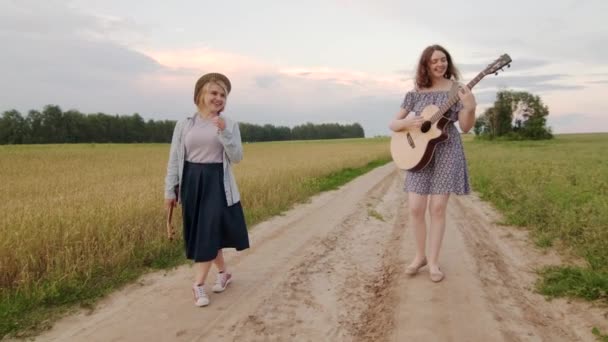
{"x":515,"y":115}
{"x":308,"y":131}
{"x":52,"y":125}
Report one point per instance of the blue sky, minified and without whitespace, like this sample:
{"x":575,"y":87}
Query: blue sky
{"x":293,"y":62}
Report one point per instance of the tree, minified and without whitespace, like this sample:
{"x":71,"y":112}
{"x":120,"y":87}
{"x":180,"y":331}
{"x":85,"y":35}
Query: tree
{"x":515,"y":114}
{"x":13,"y":128}
{"x":534,"y":117}
{"x":502,"y":113}
{"x":54,"y":130}
{"x":34,"y":123}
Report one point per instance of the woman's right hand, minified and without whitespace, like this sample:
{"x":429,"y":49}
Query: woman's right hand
{"x":170,"y":203}
{"x":403,"y":121}
{"x":413,"y":122}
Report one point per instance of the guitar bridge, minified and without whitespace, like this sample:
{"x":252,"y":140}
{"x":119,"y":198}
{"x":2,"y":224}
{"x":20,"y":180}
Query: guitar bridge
{"x":410,"y":140}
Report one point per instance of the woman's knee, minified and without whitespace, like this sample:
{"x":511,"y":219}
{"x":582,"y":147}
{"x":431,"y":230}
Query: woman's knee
{"x":437,"y":210}
{"x":417,"y":211}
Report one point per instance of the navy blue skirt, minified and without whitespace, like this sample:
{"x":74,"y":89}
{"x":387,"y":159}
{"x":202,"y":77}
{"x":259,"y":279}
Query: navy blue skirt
{"x":209,"y":223}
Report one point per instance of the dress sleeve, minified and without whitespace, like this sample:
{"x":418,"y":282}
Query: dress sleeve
{"x":408,"y":101}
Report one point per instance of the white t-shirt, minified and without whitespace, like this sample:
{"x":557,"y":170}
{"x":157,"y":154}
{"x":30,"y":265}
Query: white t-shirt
{"x":202,"y":142}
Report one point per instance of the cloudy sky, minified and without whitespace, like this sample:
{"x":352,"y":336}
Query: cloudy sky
{"x":293,"y":62}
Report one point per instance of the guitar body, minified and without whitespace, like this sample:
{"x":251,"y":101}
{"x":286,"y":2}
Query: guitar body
{"x":413,"y":149}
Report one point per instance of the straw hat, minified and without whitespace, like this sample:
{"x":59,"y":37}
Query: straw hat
{"x":212,"y":76}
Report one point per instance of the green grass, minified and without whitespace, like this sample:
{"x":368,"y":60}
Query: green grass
{"x":25,"y":312}
{"x":373,"y":213}
{"x":336,"y":179}
{"x":574,"y":281}
{"x":558,"y":189}
{"x":600,"y":337}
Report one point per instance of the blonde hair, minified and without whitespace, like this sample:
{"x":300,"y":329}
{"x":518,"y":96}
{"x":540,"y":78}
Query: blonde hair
{"x":202,"y":85}
{"x":205,"y":89}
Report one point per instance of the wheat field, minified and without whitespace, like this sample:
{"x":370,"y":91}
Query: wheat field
{"x":89,"y":217}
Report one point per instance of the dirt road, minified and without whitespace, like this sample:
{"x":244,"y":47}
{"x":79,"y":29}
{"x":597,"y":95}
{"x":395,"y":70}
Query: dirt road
{"x":332,"y":270}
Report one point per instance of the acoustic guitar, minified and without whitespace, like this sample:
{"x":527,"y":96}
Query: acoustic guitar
{"x":413,"y":149}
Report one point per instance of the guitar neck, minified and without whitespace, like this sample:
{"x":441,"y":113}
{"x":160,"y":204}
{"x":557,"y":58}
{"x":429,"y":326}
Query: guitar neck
{"x":454,"y":98}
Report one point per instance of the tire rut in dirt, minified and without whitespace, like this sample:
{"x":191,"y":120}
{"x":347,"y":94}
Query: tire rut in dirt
{"x":334,"y":283}
{"x":498,"y":275}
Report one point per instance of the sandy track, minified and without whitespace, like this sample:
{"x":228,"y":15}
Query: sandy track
{"x":332,"y":270}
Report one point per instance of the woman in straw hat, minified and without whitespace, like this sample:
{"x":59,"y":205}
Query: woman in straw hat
{"x":199,"y":176}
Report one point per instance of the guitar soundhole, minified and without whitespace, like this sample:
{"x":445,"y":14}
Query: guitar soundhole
{"x":426,"y":126}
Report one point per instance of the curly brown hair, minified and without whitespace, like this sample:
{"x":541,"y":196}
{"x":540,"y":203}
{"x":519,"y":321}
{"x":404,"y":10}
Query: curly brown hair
{"x":423,"y":78}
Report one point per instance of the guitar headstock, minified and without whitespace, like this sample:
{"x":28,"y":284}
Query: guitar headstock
{"x":497,"y":65}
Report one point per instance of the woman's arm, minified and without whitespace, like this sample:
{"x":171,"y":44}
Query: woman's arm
{"x":171,"y":179}
{"x":466,"y":116}
{"x":466,"y":119}
{"x":402,"y":122}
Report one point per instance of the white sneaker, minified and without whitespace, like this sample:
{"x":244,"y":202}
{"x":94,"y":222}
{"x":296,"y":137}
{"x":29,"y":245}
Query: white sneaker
{"x":221,"y":282}
{"x":200,"y":296}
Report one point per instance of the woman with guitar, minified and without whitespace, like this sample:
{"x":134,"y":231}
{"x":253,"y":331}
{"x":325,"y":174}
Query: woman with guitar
{"x":446,"y":170}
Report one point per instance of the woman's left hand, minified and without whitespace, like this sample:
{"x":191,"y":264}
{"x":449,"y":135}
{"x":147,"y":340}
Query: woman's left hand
{"x":219,"y":123}
{"x":467,"y":98}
